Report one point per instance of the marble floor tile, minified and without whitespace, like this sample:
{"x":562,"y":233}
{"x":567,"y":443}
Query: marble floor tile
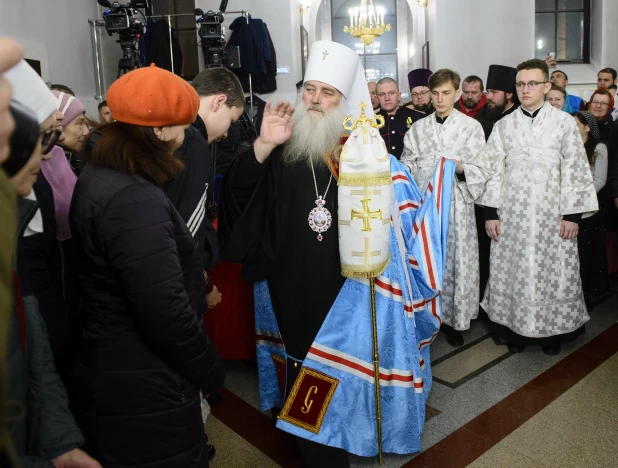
{"x":502,"y":457}
{"x":469,"y":361}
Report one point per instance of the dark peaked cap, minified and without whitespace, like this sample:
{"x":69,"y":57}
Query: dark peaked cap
{"x":501,"y":78}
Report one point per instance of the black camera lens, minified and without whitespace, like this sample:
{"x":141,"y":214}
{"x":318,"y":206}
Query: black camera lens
{"x":23,"y":140}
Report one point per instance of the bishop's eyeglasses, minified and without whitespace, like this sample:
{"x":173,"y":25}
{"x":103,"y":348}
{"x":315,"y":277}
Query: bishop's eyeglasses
{"x":532,"y":85}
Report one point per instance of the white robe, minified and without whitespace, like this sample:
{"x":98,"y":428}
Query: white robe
{"x":541,"y":174}
{"x":460,"y":138}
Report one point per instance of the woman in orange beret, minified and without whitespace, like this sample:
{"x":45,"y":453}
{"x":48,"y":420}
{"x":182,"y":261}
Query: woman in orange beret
{"x":143,"y":358}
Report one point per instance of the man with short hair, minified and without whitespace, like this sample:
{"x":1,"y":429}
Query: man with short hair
{"x":419,"y":91}
{"x":398,"y":119}
{"x":221,"y":104}
{"x":375,"y":102}
{"x":540,"y":188}
{"x":559,"y":78}
{"x":449,"y":133}
{"x":612,"y":90}
{"x":473,"y":99}
{"x":105,"y":115}
{"x":606,"y":78}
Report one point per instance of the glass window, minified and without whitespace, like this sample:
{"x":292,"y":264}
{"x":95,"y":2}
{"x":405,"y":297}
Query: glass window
{"x":563,"y":27}
{"x":379,"y":58}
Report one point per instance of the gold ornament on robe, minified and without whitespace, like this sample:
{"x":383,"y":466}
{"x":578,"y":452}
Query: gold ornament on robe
{"x":364,"y":199}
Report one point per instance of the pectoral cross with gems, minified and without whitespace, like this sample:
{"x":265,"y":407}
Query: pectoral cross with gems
{"x":366,"y":214}
{"x":367,"y":254}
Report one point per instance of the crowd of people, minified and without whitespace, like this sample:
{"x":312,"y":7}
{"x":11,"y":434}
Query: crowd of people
{"x":418,"y":142}
{"x":107,"y":241}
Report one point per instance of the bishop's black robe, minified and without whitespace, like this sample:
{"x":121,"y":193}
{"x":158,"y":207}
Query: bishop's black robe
{"x":264,"y":225}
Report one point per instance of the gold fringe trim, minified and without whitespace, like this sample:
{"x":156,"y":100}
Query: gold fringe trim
{"x":363,"y":179}
{"x":360,"y":272}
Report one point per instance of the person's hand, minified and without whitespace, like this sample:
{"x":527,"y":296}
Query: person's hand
{"x":10,"y":54}
{"x":459,"y":169}
{"x":213,"y":299}
{"x":493,"y":229}
{"x":551,"y":61}
{"x":276,"y":129}
{"x":76,"y":458}
{"x":568,"y":230}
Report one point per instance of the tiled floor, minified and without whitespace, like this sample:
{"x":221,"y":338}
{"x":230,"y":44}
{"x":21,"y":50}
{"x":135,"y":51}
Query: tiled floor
{"x":488,"y":407}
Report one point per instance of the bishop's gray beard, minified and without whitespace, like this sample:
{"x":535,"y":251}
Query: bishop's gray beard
{"x":314,"y":135}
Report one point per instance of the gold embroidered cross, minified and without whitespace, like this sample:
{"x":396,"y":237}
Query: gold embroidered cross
{"x":366,"y":192}
{"x":324,"y":54}
{"x":367,"y":254}
{"x":366,"y":215}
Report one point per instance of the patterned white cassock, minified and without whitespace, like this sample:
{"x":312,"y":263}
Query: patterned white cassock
{"x":460,"y":138}
{"x":541,"y":174}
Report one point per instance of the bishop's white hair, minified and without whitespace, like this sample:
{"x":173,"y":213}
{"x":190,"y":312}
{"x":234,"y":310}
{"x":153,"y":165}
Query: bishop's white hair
{"x":314,"y":134}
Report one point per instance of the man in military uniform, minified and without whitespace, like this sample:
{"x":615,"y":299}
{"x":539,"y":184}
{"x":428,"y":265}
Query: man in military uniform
{"x":398,"y":120}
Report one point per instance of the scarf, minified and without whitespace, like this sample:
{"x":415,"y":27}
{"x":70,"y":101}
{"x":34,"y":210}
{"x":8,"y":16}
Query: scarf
{"x":472,"y":112}
{"x":62,"y":180}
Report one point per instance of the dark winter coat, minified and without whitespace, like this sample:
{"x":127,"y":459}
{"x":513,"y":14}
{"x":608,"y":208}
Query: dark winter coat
{"x":191,"y":191}
{"x":41,"y":424}
{"x":41,"y":271}
{"x":142,"y":356}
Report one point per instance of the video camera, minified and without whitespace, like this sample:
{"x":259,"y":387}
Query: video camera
{"x":212,"y":35}
{"x":120,"y":19}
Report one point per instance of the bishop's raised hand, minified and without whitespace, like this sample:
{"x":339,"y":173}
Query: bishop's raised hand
{"x":276,"y":129}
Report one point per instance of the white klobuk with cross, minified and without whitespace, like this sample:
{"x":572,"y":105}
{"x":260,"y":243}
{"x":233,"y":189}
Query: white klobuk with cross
{"x":364,"y":200}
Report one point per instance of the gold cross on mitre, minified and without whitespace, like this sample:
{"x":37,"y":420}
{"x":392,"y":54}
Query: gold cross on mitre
{"x":324,"y":54}
{"x":363,"y":121}
{"x":366,"y":215}
{"x":367,"y":254}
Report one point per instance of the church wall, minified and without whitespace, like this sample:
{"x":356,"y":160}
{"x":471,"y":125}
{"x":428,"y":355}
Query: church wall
{"x":283,"y":20}
{"x":470,"y":36}
{"x":58,"y":35}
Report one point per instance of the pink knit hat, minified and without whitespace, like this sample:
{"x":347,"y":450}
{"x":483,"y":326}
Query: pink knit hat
{"x":70,"y":106}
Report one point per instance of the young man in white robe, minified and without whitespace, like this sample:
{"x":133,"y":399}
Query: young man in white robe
{"x":454,"y":135}
{"x":540,"y":188}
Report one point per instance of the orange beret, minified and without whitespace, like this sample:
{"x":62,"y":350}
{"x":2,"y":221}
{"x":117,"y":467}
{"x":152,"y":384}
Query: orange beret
{"x":153,"y":97}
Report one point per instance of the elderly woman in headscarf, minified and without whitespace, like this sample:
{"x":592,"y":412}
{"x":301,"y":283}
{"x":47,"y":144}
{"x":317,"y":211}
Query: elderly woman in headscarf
{"x":591,"y":237}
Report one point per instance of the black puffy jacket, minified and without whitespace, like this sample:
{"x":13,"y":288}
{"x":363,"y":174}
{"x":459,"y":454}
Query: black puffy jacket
{"x":142,"y":357}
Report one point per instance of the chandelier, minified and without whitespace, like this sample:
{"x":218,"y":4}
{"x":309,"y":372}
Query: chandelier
{"x":366,"y":22}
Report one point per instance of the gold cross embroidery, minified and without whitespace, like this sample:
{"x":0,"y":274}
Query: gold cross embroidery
{"x":367,"y":254}
{"x":366,"y":215}
{"x":324,"y":54}
{"x":366,"y":192}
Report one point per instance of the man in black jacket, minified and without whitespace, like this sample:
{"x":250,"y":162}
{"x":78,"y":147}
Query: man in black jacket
{"x":221,"y":104}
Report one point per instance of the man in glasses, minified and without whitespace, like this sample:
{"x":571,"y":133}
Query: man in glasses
{"x":419,"y":91}
{"x":540,"y":188}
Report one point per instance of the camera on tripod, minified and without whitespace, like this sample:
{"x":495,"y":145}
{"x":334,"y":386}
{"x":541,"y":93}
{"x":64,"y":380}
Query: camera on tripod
{"x":212,"y":35}
{"x":120,"y":19}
